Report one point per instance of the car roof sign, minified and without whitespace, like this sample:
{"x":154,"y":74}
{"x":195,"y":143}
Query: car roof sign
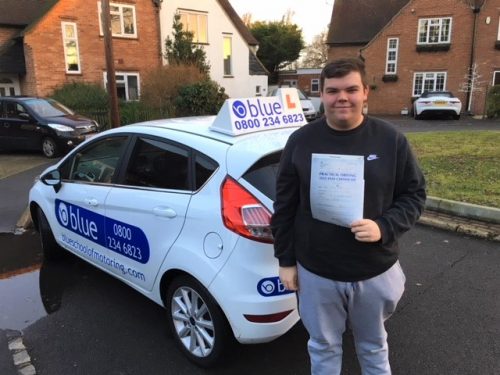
{"x":249,"y":115}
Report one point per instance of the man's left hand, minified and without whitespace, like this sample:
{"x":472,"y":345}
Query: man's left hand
{"x":366,"y":230}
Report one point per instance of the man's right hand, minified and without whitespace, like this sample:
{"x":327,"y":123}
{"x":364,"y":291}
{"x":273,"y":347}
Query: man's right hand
{"x":288,"y":277}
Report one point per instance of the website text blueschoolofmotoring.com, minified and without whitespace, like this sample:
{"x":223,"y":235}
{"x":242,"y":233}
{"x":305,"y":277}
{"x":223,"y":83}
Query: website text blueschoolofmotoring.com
{"x":92,"y":253}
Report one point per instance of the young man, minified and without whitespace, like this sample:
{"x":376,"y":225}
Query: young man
{"x":345,"y":271}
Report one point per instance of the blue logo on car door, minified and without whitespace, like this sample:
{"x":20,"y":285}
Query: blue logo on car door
{"x":122,"y":238}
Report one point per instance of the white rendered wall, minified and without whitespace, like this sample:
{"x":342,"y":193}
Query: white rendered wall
{"x":241,"y":83}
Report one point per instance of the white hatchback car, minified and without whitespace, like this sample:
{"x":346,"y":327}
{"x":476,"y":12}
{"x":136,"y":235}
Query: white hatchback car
{"x":437,"y":103}
{"x":180,"y":210}
{"x":308,"y":108}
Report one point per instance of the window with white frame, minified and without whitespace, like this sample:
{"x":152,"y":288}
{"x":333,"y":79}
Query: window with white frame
{"x":391,"y":63}
{"x":7,"y":87}
{"x":315,"y":85}
{"x":227,"y":53}
{"x":434,"y":30}
{"x":127,"y":85}
{"x":496,"y":77}
{"x":70,"y":44}
{"x":197,"y":23}
{"x":123,"y":20}
{"x":428,"y":81}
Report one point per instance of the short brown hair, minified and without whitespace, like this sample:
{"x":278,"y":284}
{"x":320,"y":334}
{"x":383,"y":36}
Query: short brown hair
{"x":342,"y":67}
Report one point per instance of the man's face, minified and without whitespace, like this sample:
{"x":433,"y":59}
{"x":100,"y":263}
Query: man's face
{"x":343,"y":99}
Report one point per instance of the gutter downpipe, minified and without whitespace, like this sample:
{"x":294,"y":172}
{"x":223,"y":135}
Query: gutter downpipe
{"x":470,"y":86}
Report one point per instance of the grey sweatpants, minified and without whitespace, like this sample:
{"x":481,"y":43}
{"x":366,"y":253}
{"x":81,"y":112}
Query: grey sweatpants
{"x":326,"y":305}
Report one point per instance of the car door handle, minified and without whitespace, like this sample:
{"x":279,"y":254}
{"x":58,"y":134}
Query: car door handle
{"x":164,"y":212}
{"x":91,"y":202}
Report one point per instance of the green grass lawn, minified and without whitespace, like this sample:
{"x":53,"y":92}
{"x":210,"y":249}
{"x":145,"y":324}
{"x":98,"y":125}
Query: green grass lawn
{"x":461,"y":166}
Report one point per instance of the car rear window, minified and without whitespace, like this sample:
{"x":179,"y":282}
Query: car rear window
{"x":440,"y":93}
{"x":262,"y":174}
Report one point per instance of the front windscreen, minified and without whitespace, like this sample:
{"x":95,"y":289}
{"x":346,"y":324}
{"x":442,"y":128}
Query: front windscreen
{"x":47,"y":108}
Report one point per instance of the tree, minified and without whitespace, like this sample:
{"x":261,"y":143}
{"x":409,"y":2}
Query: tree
{"x":316,"y":54}
{"x":280,"y":44}
{"x":472,"y":83}
{"x":181,"y":49}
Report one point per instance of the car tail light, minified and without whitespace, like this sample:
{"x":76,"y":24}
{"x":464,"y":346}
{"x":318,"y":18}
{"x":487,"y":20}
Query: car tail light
{"x":243,"y":214}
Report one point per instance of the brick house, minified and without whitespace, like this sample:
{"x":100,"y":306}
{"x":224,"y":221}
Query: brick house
{"x":229,"y":46}
{"x":409,"y":46}
{"x":47,"y":43}
{"x":305,"y":79}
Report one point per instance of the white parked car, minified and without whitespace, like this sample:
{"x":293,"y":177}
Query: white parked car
{"x":437,"y":103}
{"x":307,"y":105}
{"x":180,"y":210}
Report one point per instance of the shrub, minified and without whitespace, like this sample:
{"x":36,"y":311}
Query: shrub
{"x":160,"y":86}
{"x":493,"y":102}
{"x":132,"y":112}
{"x":82,"y":96}
{"x":201,"y":98}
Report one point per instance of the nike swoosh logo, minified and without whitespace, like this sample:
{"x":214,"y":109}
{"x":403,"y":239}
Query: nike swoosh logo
{"x":372,"y":157}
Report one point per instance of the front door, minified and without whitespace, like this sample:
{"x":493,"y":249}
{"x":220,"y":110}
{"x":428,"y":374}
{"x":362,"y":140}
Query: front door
{"x":146,"y":212}
{"x":79,"y":211}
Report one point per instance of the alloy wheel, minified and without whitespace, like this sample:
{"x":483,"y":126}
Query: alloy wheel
{"x":193,"y":322}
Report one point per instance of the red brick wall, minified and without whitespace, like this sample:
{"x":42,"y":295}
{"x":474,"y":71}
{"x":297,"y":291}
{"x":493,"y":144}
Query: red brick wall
{"x":305,"y":83}
{"x":44,"y":51}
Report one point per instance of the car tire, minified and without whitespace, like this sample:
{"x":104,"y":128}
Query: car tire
{"x":201,"y":331}
{"x":417,"y":117}
{"x":50,"y":249}
{"x":456,"y":117}
{"x":49,"y":147}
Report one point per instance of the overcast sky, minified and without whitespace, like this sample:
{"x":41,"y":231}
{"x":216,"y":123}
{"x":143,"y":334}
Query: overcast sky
{"x":312,"y":16}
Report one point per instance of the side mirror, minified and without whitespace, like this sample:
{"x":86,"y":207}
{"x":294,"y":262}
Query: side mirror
{"x":52,"y":178}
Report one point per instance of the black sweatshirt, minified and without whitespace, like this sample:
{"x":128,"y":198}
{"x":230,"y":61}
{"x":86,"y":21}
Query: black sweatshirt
{"x":394,"y":199}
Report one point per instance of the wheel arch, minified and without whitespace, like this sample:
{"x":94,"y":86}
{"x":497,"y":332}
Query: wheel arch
{"x":171,"y":274}
{"x":167,"y":279}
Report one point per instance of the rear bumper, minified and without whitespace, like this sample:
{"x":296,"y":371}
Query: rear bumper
{"x":247,"y":289}
{"x":437,"y":110}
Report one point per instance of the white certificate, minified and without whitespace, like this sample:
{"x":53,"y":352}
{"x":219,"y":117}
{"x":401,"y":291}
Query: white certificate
{"x":337,"y":188}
